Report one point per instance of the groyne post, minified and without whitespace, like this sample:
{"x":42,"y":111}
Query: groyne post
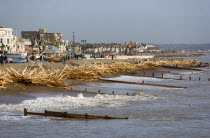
{"x":25,"y":112}
{"x":180,"y":77}
{"x":190,"y":78}
{"x":45,"y":113}
{"x":162,"y":75}
{"x":112,"y":92}
{"x":99,"y":91}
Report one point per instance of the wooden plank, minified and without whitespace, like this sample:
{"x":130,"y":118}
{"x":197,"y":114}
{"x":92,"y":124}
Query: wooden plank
{"x":169,"y":86}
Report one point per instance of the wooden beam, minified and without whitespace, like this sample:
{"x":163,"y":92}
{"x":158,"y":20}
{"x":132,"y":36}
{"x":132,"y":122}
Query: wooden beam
{"x":70,"y":116}
{"x":169,"y":86}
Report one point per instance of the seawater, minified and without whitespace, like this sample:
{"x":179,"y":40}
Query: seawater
{"x":153,"y":111}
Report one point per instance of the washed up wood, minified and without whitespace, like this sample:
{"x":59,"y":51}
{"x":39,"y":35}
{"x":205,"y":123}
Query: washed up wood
{"x":169,"y":86}
{"x":70,"y":116}
{"x":37,"y":74}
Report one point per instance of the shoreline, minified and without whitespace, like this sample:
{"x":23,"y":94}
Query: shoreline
{"x":179,"y":54}
{"x":76,"y":72}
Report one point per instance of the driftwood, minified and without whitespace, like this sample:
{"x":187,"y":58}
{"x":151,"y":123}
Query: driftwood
{"x":70,"y":116}
{"x":38,"y":75}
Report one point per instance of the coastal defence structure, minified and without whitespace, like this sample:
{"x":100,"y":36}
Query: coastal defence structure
{"x":70,"y":116}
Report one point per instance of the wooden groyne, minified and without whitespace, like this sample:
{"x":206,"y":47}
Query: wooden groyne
{"x":183,"y":68}
{"x":169,"y":86}
{"x":70,"y":116}
{"x":85,"y":91}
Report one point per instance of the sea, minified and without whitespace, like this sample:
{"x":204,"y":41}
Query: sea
{"x":152,"y":111}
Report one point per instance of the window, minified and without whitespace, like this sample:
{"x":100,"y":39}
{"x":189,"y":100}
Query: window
{"x":7,"y":41}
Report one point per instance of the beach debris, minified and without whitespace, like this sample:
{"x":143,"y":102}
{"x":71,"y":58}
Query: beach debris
{"x":37,"y":74}
{"x":5,"y":78}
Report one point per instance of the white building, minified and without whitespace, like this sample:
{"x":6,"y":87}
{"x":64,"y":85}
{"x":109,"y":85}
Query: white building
{"x":7,"y":40}
{"x":62,"y":45}
{"x":22,"y":45}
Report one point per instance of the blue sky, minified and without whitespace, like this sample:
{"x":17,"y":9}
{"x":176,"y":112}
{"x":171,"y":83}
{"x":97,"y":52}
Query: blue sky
{"x":148,"y":21}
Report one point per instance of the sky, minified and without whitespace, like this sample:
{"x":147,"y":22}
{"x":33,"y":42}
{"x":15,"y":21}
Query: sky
{"x":144,"y":21}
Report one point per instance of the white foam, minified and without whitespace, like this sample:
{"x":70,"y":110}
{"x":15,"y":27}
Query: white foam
{"x":15,"y":118}
{"x":61,"y":102}
{"x":134,"y":78}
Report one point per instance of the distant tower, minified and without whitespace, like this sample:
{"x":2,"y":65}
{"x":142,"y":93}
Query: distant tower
{"x":73,"y":39}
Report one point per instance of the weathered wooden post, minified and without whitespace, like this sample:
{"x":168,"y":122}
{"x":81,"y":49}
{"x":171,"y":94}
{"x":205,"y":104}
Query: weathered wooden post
{"x":127,"y":93}
{"x":106,"y":117}
{"x":85,"y":89}
{"x":25,"y":112}
{"x":71,"y":88}
{"x":64,"y":114}
{"x":162,"y":75}
{"x":190,"y":78}
{"x":86,"y":116}
{"x":99,"y":91}
{"x":180,"y":77}
{"x":112,"y":92}
{"x":199,"y":78}
{"x":45,"y":113}
{"x":153,"y":74}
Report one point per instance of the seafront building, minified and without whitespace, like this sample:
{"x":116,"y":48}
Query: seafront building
{"x":10,"y":44}
{"x":44,"y":38}
{"x":23,"y":45}
{"x":7,"y":40}
{"x":51,"y":45}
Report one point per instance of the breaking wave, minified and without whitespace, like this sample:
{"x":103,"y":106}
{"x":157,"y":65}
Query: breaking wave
{"x":61,"y":102}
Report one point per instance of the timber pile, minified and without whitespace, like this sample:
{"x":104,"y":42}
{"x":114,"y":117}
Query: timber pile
{"x":38,"y":75}
{"x":163,"y":62}
{"x":94,"y":72}
{"x":4,"y":79}
{"x":70,"y":116}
